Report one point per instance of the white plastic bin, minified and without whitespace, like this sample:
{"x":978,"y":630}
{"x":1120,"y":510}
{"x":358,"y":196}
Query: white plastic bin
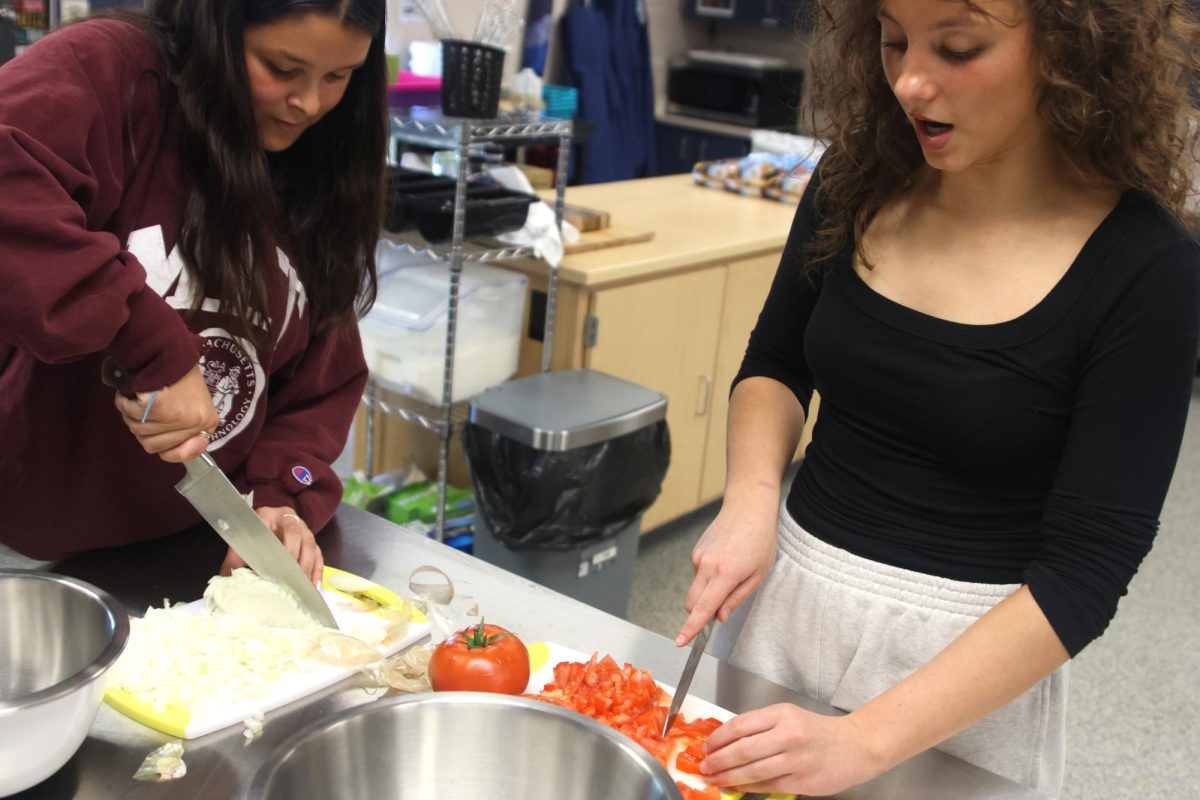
{"x":404,"y":334}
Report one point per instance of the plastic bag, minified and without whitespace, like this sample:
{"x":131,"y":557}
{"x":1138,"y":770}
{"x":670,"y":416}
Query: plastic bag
{"x":559,"y":500}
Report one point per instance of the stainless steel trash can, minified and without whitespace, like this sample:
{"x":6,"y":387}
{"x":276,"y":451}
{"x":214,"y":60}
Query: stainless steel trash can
{"x":564,"y":464}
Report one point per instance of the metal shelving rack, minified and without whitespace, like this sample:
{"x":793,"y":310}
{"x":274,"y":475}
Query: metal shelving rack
{"x":458,"y":135}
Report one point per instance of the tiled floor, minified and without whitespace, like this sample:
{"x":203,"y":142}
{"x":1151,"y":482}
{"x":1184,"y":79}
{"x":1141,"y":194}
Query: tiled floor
{"x":1134,"y":720}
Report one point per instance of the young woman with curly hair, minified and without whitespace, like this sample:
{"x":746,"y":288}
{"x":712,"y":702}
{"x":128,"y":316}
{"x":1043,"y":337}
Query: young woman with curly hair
{"x":195,"y":191}
{"x":993,"y":285}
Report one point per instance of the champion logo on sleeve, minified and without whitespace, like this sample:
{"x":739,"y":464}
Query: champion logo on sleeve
{"x":303,"y":475}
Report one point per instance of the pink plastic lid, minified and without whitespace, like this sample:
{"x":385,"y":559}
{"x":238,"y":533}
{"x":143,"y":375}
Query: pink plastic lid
{"x":407,"y":81}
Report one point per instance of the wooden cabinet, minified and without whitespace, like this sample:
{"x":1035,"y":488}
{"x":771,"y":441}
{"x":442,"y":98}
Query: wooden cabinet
{"x":673,"y":314}
{"x":746,"y":286}
{"x":683,"y":335}
{"x":663,"y":334}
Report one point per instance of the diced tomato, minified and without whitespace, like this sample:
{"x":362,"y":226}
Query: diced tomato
{"x":628,"y":699}
{"x":695,"y":729}
{"x":689,"y":760}
{"x":706,"y":726}
{"x":685,"y":762}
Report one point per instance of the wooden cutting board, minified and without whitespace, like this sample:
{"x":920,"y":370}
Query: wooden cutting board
{"x":609,"y":237}
{"x":585,"y":219}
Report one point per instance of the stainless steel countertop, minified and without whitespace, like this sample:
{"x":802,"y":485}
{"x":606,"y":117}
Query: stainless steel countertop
{"x":221,"y":766}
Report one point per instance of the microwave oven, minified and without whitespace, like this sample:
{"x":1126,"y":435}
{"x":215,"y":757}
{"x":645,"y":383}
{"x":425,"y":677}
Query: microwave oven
{"x":768,"y":13}
{"x":748,"y":91}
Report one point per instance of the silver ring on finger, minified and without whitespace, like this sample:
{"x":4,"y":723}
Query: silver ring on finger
{"x":207,"y":436}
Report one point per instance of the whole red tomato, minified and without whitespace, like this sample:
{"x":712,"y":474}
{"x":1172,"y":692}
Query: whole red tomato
{"x":482,"y":658}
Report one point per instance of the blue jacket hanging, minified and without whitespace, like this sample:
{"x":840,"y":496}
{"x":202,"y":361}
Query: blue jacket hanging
{"x":607,"y":57}
{"x":629,"y":61}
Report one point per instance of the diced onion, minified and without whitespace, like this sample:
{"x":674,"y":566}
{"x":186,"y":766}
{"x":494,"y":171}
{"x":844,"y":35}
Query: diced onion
{"x":253,"y":725}
{"x":195,"y":661}
{"x":233,"y":650}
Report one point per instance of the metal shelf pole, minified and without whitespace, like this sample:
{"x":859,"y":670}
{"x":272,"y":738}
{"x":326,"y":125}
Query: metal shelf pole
{"x":370,"y":455}
{"x":456,"y":267}
{"x":564,"y":158}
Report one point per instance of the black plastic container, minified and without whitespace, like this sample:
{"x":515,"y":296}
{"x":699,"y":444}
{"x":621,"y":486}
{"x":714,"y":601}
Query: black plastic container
{"x":403,"y":183}
{"x":471,"y":77}
{"x":490,"y":211}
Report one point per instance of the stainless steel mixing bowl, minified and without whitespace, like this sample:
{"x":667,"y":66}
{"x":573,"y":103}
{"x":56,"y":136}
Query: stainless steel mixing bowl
{"x":461,"y":745}
{"x":58,"y":635}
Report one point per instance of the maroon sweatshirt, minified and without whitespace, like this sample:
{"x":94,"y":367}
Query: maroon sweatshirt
{"x":90,"y":208}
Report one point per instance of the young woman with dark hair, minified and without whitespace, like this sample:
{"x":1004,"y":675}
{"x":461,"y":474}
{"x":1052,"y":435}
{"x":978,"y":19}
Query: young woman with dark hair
{"x":194,"y":191}
{"x":993,"y":285}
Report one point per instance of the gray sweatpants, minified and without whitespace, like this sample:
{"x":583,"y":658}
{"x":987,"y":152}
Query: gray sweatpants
{"x":855,"y":627}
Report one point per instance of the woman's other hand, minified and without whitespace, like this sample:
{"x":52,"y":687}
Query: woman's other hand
{"x":783,"y":748}
{"x":730,"y":560}
{"x":176,"y":417}
{"x":286,"y":524}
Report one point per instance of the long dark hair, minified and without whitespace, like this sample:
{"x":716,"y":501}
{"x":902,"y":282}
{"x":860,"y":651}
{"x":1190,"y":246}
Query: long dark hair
{"x":321,"y":199}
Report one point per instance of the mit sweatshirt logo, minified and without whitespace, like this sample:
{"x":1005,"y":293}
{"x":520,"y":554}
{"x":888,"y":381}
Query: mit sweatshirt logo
{"x":231,"y":365}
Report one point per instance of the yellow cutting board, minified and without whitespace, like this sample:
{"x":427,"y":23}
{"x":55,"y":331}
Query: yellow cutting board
{"x":543,"y":656}
{"x":182,"y":723}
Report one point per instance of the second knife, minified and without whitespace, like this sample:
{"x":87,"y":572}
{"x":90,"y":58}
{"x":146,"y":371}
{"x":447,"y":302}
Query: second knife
{"x":689,"y":670}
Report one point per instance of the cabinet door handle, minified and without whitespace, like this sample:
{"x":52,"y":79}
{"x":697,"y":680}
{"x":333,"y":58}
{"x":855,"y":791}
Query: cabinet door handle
{"x":705,"y":386}
{"x":683,"y":143}
{"x":703,"y":148}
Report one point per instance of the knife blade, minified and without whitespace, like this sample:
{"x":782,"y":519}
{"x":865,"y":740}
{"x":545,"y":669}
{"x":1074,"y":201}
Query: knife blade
{"x":689,"y":670}
{"x":226,"y":510}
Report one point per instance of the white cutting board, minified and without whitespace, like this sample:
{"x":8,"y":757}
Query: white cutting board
{"x":543,"y":656}
{"x":182,"y":723}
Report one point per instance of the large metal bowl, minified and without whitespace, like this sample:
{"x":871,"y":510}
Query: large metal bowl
{"x":58,"y":635}
{"x":461,"y":745}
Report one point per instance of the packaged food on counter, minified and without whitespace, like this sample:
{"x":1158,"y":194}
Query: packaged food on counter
{"x":775,"y":176}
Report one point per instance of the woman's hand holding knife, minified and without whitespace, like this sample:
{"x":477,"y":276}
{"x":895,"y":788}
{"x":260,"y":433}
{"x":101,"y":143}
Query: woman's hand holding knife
{"x":173,"y":423}
{"x":730,"y":561}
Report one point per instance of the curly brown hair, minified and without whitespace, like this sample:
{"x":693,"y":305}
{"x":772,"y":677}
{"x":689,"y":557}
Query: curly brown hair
{"x":1117,"y":80}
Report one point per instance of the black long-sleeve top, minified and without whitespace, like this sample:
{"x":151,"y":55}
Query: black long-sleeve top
{"x":1036,"y":451}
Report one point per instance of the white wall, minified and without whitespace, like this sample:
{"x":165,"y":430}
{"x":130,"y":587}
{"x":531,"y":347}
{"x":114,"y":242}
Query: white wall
{"x":463,"y":14}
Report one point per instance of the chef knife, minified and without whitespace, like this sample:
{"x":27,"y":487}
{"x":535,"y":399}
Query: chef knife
{"x":689,"y":670}
{"x":226,"y":510}
{"x":222,"y":505}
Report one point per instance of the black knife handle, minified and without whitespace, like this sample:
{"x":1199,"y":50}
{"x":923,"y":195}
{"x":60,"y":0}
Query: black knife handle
{"x":116,"y":377}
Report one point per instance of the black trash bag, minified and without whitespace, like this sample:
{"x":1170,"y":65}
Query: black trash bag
{"x":560,"y":500}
